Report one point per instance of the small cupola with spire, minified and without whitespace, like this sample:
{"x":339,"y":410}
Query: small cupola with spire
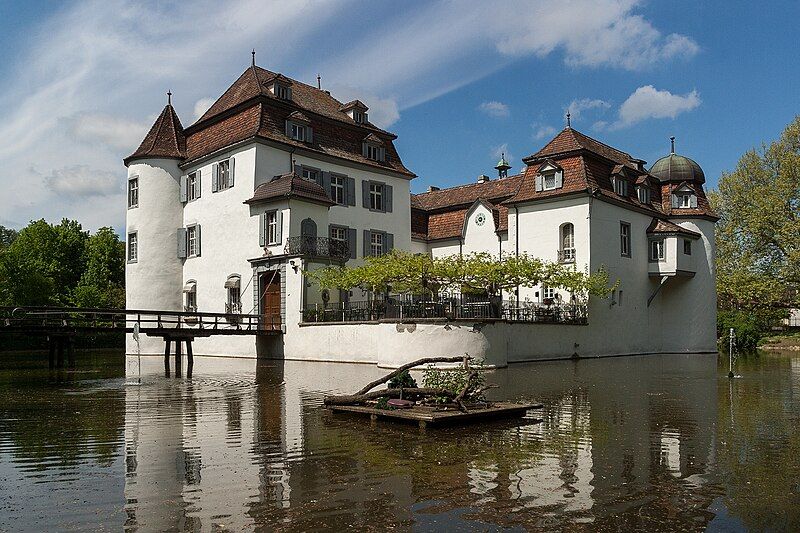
{"x":502,"y":166}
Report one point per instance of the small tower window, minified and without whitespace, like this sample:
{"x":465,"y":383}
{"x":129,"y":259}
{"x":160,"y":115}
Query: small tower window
{"x":133,"y":247}
{"x":133,"y":192}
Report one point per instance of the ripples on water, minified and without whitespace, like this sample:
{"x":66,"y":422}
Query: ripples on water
{"x":657,"y":443}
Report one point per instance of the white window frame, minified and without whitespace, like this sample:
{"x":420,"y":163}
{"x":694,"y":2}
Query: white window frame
{"x":548,"y":293}
{"x":224,"y":174}
{"x":284,"y":92}
{"x":299,"y":132}
{"x":338,"y":233}
{"x":376,"y":244}
{"x":657,"y":246}
{"x":192,"y":191}
{"x":621,"y":186}
{"x":338,"y":189}
{"x":271,"y":228}
{"x":235,"y":299}
{"x":192,"y":246}
{"x":567,"y":242}
{"x":376,"y":196}
{"x":133,"y":192}
{"x":549,"y":180}
{"x":191,"y":301}
{"x":358,"y":116}
{"x":644,"y":194}
{"x":374,"y":152}
{"x":132,"y":247}
{"x":685,"y":200}
{"x":624,"y":239}
{"x":309,"y":173}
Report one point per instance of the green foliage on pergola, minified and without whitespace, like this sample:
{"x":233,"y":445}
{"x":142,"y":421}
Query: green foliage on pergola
{"x":478,"y":272}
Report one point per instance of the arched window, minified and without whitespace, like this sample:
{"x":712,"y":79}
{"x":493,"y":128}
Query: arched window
{"x":566,"y":253}
{"x":308,"y":228}
{"x":233,"y":287}
{"x":190,"y":296}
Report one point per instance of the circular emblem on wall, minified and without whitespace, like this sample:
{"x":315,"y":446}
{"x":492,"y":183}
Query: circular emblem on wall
{"x":480,"y":218}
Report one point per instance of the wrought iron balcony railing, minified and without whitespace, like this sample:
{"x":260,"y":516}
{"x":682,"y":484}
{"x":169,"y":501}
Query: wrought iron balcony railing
{"x":566,"y":255}
{"x":317,"y":247}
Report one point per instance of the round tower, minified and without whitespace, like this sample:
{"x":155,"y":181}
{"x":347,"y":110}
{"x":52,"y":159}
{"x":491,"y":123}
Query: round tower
{"x":154,"y":272}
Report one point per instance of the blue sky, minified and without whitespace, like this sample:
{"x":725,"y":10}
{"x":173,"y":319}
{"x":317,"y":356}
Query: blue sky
{"x":81,"y":82}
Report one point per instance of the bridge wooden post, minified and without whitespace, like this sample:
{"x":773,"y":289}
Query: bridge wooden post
{"x":51,"y":356}
{"x":70,"y":352}
{"x":189,"y":358}
{"x":177,"y":358}
{"x":60,"y":361}
{"x":167,"y":342}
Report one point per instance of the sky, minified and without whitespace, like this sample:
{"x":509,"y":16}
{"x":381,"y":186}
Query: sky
{"x":459,"y":82}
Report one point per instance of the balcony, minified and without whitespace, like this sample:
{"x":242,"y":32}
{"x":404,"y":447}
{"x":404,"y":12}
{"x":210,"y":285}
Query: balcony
{"x":566,"y":255}
{"x":317,"y":247}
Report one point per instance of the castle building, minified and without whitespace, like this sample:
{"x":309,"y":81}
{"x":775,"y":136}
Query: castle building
{"x":278,"y":177}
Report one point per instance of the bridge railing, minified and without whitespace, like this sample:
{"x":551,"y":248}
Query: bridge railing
{"x":48,"y":318}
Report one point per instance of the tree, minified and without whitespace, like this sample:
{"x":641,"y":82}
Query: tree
{"x":102,"y":283}
{"x":7,"y":236}
{"x":758,"y":235}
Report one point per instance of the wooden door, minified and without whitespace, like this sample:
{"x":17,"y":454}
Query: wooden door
{"x":271,"y":299}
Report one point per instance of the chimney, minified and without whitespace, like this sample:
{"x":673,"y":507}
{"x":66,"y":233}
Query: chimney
{"x":432,"y":188}
{"x":483,"y":178}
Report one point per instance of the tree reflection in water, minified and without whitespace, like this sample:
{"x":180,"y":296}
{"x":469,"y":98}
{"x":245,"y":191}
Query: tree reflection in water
{"x":657,"y":443}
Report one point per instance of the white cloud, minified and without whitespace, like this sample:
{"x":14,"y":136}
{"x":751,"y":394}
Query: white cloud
{"x":648,"y":102}
{"x":112,"y":131}
{"x":96,"y":70}
{"x":577,"y":107}
{"x":81,"y":181}
{"x":498,"y":151}
{"x":495,"y":109}
{"x":541,"y":131}
{"x":593,"y":33}
{"x":201,"y":106}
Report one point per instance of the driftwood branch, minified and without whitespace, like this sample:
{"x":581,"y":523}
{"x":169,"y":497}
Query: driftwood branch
{"x":386,"y":393}
{"x":459,"y":400}
{"x":418,"y":362}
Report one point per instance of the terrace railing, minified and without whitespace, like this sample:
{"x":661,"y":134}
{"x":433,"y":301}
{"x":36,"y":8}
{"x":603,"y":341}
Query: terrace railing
{"x":317,"y":247}
{"x":447,"y":308}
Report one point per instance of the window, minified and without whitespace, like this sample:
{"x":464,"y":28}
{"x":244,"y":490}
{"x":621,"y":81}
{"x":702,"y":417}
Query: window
{"x":376,"y":244}
{"x":133,"y":247}
{"x":311,"y":174}
{"x":191,"y":300}
{"x":337,"y":189}
{"x":193,"y":187}
{"x":133,"y":192}
{"x":374,"y":152}
{"x":299,"y":132}
{"x":657,"y":250}
{"x":376,"y":196}
{"x":567,"y":251}
{"x":271,"y":227}
{"x":234,"y":300}
{"x":548,"y":293}
{"x":224,"y":174}
{"x":685,"y":200}
{"x":624,"y":239}
{"x":192,"y":241}
{"x":687,"y":247}
{"x":620,"y":186}
{"x":358,"y":116}
{"x":644,"y":194}
{"x":549,"y":181}
{"x":338,"y":234}
{"x":282,"y":91}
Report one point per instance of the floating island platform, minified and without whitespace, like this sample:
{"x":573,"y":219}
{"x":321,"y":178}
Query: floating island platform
{"x":426,"y":415}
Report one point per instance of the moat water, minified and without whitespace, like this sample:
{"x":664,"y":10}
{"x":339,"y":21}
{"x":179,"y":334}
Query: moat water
{"x":658,"y":443}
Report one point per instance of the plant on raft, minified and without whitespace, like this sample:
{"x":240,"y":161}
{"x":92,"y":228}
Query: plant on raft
{"x":454,"y":380}
{"x":484,"y":273}
{"x":402,"y":380}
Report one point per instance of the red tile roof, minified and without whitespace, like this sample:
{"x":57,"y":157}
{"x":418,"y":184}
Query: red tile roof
{"x":665,"y":226}
{"x":703,"y":205}
{"x":570,"y":140}
{"x":492,"y":190}
{"x":290,"y":185}
{"x":446,"y":225}
{"x":165,"y":138}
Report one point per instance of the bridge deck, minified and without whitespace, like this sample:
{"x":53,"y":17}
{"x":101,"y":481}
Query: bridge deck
{"x":175,"y":324}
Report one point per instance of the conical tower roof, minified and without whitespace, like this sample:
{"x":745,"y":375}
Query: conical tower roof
{"x":164,"y":140}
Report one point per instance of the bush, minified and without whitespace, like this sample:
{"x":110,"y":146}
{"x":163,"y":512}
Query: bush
{"x":749,"y":327}
{"x":451,"y":379}
{"x":402,"y":380}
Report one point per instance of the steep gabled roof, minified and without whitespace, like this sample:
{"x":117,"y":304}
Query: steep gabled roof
{"x":290,"y":185}
{"x":570,"y":140}
{"x":165,"y":139}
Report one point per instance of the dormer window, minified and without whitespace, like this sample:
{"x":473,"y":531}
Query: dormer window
{"x":620,"y":185}
{"x":359,"y":116}
{"x":356,"y":110}
{"x":549,"y":178}
{"x":684,"y":198}
{"x":373,"y":148}
{"x":298,"y":128}
{"x":643,"y":192}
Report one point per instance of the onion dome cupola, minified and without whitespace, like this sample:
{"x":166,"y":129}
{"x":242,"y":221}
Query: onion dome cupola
{"x":677,"y":168}
{"x":502,"y":166}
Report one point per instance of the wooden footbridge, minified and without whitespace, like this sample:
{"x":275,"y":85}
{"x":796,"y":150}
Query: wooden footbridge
{"x":62,"y":324}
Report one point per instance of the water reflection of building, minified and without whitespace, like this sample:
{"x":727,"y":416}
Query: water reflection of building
{"x":254,"y":448}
